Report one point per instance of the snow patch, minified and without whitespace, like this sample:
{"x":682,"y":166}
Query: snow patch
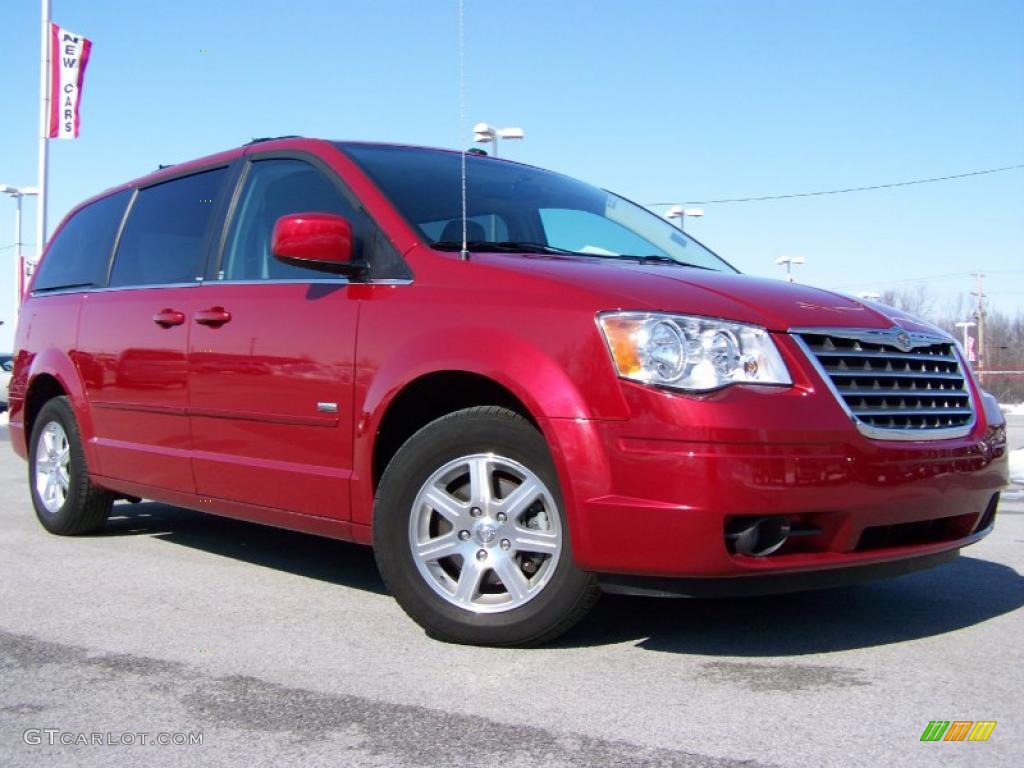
{"x":1012,"y":410}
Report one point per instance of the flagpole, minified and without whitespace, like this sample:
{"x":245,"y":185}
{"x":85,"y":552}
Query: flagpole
{"x":44,"y":127}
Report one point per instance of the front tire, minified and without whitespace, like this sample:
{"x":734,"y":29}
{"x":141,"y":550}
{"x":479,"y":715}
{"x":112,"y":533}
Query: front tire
{"x":65,"y":500}
{"x":470,"y":533}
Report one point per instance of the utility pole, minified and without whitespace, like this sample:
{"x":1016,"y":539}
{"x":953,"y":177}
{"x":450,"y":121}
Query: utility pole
{"x":980,"y":315}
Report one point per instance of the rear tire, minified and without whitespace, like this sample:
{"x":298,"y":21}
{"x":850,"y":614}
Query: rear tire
{"x":475,"y":496}
{"x":65,"y":500}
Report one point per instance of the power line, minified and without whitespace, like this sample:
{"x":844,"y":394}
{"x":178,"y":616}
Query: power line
{"x":925,"y":279}
{"x":15,"y":245}
{"x":907,"y":280}
{"x":848,"y":189}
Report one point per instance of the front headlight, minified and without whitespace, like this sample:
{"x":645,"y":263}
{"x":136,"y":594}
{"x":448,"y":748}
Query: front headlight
{"x":696,"y":354}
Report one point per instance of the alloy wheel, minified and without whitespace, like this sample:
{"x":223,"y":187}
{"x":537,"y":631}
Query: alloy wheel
{"x":53,"y":467}
{"x":485,"y":533}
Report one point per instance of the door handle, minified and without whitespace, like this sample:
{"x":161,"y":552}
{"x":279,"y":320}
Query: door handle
{"x":213,"y":317}
{"x":166,"y":318}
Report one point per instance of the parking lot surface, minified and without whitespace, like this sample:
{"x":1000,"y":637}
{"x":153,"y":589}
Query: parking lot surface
{"x":281,"y":648}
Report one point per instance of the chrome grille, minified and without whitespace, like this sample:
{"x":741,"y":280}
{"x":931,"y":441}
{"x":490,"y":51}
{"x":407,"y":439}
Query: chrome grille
{"x":896,"y":385}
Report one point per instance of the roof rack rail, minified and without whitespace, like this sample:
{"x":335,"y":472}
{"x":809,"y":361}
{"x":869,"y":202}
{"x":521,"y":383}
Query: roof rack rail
{"x":272,"y":138}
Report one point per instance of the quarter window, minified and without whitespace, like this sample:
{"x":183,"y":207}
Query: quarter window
{"x":275,"y":188}
{"x":79,"y":255}
{"x":164,"y":238}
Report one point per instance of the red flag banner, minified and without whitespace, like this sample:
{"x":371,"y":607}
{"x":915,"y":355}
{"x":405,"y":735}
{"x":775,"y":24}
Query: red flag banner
{"x":69,"y":53}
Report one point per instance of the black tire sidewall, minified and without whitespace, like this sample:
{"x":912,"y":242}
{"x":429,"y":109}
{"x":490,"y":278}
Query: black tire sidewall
{"x":451,"y":437}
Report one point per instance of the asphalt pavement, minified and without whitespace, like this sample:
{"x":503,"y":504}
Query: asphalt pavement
{"x":276,"y":648}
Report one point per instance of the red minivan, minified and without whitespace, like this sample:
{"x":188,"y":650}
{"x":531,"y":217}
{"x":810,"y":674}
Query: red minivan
{"x":521,"y":391}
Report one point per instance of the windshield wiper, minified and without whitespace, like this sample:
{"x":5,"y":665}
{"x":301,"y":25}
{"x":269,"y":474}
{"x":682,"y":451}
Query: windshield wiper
{"x":519,"y":246}
{"x":659,"y":258}
{"x":503,"y":247}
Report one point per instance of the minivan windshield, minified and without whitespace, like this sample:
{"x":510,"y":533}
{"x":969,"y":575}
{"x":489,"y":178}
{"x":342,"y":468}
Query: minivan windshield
{"x":520,"y":209}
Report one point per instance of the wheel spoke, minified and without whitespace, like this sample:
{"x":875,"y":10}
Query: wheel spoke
{"x":437,"y":548}
{"x":63,"y":479}
{"x":521,"y":498}
{"x":50,"y":489}
{"x":540,"y":542}
{"x":469,"y":581}
{"x":446,"y":505}
{"x":512,"y":578}
{"x":480,"y":481}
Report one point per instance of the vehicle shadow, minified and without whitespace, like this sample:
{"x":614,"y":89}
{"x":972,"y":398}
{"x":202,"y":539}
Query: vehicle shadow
{"x":955,"y":596}
{"x":314,"y":557}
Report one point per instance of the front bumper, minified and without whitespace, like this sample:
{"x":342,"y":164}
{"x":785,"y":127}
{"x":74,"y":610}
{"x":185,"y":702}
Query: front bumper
{"x":771,"y":583}
{"x":653,"y":495}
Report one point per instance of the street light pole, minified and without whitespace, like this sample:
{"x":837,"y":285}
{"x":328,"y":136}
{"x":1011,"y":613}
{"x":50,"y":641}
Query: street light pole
{"x":966,"y":325}
{"x":679,"y":212}
{"x":484,"y":133}
{"x":19,"y":258}
{"x":789,"y":261}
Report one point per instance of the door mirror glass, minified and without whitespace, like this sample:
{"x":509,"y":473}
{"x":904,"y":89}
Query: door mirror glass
{"x":315,"y":240}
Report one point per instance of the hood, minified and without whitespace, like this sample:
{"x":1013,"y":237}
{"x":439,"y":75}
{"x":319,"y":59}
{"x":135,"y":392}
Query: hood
{"x":775,"y":304}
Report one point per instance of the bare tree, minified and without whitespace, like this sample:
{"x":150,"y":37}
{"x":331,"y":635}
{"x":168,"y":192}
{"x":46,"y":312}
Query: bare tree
{"x":1004,"y":335}
{"x":916,"y":300}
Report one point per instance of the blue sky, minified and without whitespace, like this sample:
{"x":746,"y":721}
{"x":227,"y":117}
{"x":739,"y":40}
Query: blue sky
{"x":660,"y":101}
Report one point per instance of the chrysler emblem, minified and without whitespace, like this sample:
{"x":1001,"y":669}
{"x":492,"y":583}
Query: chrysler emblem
{"x":903,"y":341}
{"x":486,"y":533}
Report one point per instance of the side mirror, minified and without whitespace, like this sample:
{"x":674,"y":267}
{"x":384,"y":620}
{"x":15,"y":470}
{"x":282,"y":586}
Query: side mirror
{"x":315,"y":240}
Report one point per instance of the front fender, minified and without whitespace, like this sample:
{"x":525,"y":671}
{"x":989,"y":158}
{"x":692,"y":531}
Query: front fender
{"x":531,"y":374}
{"x":537,"y":377}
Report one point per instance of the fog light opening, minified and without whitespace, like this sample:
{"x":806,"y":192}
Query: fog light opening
{"x":758,"y":537}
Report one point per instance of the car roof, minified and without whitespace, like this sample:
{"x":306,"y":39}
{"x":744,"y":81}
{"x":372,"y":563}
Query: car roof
{"x":225,"y":157}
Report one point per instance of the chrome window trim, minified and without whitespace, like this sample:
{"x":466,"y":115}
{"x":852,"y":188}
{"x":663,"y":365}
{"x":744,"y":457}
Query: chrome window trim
{"x":199,"y":283}
{"x":114,"y":288}
{"x":319,"y":281}
{"x":886,"y":336}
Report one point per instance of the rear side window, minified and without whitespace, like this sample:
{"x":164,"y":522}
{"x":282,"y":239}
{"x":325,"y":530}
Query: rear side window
{"x":164,"y":238}
{"x":78,"y":257}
